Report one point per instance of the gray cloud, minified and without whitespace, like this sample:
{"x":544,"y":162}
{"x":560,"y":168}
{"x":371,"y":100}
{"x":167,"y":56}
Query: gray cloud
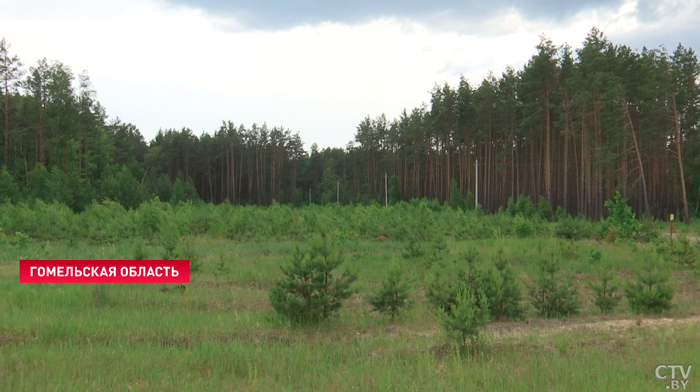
{"x":454,"y":15}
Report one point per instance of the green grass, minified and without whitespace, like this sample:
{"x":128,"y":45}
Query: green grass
{"x":221,"y":333}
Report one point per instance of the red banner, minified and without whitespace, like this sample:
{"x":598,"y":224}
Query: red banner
{"x":104,"y":271}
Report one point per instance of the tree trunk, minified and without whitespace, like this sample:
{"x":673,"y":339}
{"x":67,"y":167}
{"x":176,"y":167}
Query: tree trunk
{"x":679,"y":156}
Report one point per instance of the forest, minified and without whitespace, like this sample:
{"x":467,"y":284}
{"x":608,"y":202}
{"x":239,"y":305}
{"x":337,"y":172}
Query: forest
{"x":572,"y":127}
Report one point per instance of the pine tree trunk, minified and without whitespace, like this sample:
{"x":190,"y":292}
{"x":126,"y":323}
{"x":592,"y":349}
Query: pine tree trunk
{"x":679,"y":157}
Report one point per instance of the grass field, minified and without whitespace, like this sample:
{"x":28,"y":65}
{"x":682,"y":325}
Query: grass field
{"x":221,"y":333}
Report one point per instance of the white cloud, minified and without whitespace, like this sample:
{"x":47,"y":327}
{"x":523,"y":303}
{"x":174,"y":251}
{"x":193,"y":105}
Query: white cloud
{"x":163,"y":66}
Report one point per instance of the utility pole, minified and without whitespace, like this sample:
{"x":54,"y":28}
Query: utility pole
{"x":476,"y":198}
{"x":386,"y":190}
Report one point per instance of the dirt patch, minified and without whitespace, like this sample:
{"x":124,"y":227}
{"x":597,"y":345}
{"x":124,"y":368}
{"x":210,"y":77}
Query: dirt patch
{"x":518,"y":329}
{"x":549,"y":327}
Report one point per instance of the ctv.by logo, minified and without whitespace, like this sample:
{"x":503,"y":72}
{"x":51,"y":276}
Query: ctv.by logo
{"x":662,"y":374}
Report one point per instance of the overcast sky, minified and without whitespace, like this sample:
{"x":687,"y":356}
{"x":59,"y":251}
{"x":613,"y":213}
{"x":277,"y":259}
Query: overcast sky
{"x":317,"y":67}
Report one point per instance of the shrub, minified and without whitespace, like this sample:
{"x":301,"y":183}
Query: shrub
{"x":569,"y":228}
{"x":188,"y":252}
{"x":140,"y":251}
{"x":169,"y":239}
{"x":681,"y":252}
{"x":525,"y":207}
{"x":605,"y":290}
{"x":393,"y":296}
{"x":309,"y":291}
{"x":594,"y":256}
{"x":498,"y":284}
{"x":21,"y":240}
{"x":469,"y":314}
{"x":621,"y":218}
{"x":149,"y":217}
{"x":512,"y":208}
{"x":414,"y":250}
{"x":554,"y":296}
{"x":651,"y":293}
{"x":523,"y":227}
{"x":544,"y":209}
{"x":221,"y":268}
{"x":502,"y":290}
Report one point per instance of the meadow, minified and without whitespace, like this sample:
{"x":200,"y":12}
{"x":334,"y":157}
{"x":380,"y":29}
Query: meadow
{"x":221,"y":333}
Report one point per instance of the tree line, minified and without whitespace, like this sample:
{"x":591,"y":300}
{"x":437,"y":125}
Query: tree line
{"x":573,"y":126}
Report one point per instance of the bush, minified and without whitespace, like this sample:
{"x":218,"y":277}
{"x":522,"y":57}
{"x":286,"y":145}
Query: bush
{"x":502,"y":290}
{"x":554,"y":296}
{"x":21,"y":240}
{"x":523,"y":227}
{"x":681,"y":252}
{"x":140,"y":251}
{"x":605,"y":290}
{"x":188,"y":252}
{"x":309,"y":291}
{"x":169,"y":239}
{"x":525,"y":207}
{"x":626,"y":226}
{"x":651,"y":293}
{"x":221,"y":269}
{"x":414,"y":250}
{"x":469,"y":314}
{"x":544,"y":209}
{"x":498,"y":284}
{"x":569,"y":228}
{"x":149,"y":217}
{"x":393,"y":296}
{"x":595,"y":256}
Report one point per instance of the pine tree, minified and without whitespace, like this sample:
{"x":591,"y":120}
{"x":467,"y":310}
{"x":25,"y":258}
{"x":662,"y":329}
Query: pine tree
{"x":393,"y":296}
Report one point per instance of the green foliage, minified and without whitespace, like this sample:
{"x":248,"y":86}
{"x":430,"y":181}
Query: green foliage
{"x":186,"y":251}
{"x":9,"y":191}
{"x":107,"y":222}
{"x":21,"y":240}
{"x":469,"y":201}
{"x":621,"y":218}
{"x":328,"y":186}
{"x":40,"y":184}
{"x":140,"y":251}
{"x":552,"y":295}
{"x":437,"y":250}
{"x":123,"y":187}
{"x":393,"y":296}
{"x":169,"y":239}
{"x":544,"y":209}
{"x":394,"y":190}
{"x":569,"y":228}
{"x":512,"y":208}
{"x":652,"y":292}
{"x":221,"y":268}
{"x":525,"y":207}
{"x":456,"y":199}
{"x":605,"y":289}
{"x":149,"y":217}
{"x":680,"y":251}
{"x":523,"y":227}
{"x":498,"y":283}
{"x":594,"y":256}
{"x":414,"y":250}
{"x":468,"y":315}
{"x":309,"y":290}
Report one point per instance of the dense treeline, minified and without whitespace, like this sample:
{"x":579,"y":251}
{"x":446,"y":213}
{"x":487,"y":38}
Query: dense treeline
{"x":572,"y":126}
